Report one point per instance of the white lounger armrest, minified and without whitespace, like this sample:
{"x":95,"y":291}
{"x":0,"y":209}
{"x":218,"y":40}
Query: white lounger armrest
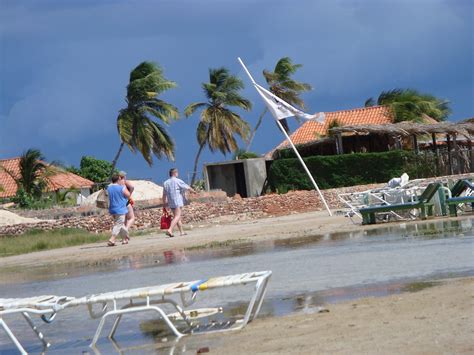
{"x":33,"y":303}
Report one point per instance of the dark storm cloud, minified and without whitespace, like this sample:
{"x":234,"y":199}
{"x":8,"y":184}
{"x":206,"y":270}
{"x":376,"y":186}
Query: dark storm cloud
{"x":64,"y":64}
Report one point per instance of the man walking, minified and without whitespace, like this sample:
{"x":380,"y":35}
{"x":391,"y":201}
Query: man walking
{"x":174,"y":190}
{"x":118,"y":198}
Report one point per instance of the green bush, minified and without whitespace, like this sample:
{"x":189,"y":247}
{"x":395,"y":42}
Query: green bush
{"x":27,"y":201}
{"x":347,"y":169}
{"x":97,"y":170}
{"x":241,"y":154}
{"x":22,"y":198}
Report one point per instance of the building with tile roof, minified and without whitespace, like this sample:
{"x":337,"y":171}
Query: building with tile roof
{"x":63,"y":180}
{"x":313,"y":138}
{"x":312,"y":131}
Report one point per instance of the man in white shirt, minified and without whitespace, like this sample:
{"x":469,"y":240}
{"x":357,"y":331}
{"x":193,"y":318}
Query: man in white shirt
{"x":174,"y":197}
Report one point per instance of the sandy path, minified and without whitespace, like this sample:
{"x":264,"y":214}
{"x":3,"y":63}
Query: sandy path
{"x":438,"y":320}
{"x":272,"y":228}
{"x":8,"y":218}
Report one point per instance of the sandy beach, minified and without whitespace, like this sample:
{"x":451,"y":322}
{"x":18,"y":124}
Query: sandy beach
{"x":437,"y":320}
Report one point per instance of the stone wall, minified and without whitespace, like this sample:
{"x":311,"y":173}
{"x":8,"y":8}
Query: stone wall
{"x":209,"y":210}
{"x":207,"y":207}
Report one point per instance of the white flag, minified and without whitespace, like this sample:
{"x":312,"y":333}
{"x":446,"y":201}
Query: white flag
{"x":281,"y":109}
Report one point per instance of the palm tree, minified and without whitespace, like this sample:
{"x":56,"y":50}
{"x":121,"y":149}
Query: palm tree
{"x":218,"y":124}
{"x":411,"y":105}
{"x":282,"y":85}
{"x":33,"y":173}
{"x":137,"y":123}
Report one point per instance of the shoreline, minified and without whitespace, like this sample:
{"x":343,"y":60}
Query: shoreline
{"x":216,"y":235}
{"x":435,"y":320}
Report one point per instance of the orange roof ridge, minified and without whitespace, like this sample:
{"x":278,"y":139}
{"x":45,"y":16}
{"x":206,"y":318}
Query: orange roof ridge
{"x":7,"y":159}
{"x":359,"y":109}
{"x":311,"y":131}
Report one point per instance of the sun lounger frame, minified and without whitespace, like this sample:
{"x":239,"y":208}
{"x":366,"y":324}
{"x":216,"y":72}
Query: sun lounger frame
{"x":142,"y":302}
{"x":355,"y":201}
{"x":423,"y":204}
{"x":44,"y":306}
{"x":455,"y":200}
{"x":147,"y":299}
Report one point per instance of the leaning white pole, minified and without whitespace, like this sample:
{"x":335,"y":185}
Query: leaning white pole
{"x":292,"y":146}
{"x":304,"y":166}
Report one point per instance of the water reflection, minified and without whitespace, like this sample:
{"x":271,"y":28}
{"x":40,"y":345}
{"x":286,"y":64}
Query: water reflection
{"x":392,"y":232}
{"x":175,"y":256}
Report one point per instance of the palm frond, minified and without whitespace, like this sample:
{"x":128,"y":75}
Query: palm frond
{"x":125,"y":127}
{"x":411,"y":105}
{"x":369,"y":102}
{"x":136,"y":124}
{"x":202,"y":132}
{"x":282,"y":85}
{"x":191,"y":108}
{"x":143,"y":69}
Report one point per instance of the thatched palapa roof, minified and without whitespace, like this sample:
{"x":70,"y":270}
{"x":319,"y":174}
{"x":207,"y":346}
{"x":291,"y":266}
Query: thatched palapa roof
{"x":465,"y":129}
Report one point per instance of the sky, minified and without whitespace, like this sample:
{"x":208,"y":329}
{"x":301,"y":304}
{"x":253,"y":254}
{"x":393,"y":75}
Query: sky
{"x":65,"y":64}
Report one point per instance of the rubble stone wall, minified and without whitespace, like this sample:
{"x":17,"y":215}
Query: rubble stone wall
{"x":207,"y":207}
{"x":236,"y":208}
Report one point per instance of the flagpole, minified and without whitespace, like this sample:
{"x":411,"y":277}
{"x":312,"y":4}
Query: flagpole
{"x":246,"y":70}
{"x":292,"y":146}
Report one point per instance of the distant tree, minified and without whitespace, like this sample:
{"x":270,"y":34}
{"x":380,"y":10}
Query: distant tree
{"x":218,"y":124}
{"x":32,"y":178}
{"x":411,"y":105}
{"x":94,"y":169}
{"x":33,"y":173}
{"x":282,"y":85}
{"x":240,"y":154}
{"x":66,"y":197}
{"x":137,"y":124}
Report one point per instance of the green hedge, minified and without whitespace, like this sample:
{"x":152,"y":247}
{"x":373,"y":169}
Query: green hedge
{"x":348,"y":169}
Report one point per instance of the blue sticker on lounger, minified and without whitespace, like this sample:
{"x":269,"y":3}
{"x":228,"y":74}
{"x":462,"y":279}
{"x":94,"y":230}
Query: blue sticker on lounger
{"x":195,"y":287}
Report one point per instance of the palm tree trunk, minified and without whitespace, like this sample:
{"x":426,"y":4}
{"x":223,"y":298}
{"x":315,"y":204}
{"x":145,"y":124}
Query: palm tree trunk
{"x":114,"y":162}
{"x":252,"y":135}
{"x":193,"y":179}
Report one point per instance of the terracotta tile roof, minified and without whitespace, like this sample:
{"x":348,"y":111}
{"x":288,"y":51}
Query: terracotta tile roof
{"x":62,"y":180}
{"x":312,"y":131}
{"x":7,"y":184}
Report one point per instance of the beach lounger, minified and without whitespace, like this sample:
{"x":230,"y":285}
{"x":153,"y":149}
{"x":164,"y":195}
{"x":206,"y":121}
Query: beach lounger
{"x":423,"y":204}
{"x":177,"y":295}
{"x":44,"y":306}
{"x":146,"y":299}
{"x":458,"y":199}
{"x":386,"y":196}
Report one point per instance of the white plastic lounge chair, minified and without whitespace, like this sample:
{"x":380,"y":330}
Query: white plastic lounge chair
{"x":145,"y":299}
{"x":407,"y":192}
{"x":44,"y":306}
{"x":179,"y":295}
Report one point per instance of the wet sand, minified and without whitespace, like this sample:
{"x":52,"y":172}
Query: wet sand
{"x":437,"y":320}
{"x":217,"y":234}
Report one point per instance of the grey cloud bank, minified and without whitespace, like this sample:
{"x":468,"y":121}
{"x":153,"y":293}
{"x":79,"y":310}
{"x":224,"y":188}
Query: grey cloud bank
{"x":64,"y":65}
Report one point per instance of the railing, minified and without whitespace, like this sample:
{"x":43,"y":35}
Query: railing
{"x":447,"y":162}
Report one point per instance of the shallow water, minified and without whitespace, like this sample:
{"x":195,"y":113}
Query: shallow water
{"x":307,"y":272}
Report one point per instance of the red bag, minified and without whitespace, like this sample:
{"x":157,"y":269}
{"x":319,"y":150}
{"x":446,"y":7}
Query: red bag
{"x":165,"y":220}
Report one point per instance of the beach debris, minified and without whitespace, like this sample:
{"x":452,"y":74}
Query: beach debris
{"x":321,"y":309}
